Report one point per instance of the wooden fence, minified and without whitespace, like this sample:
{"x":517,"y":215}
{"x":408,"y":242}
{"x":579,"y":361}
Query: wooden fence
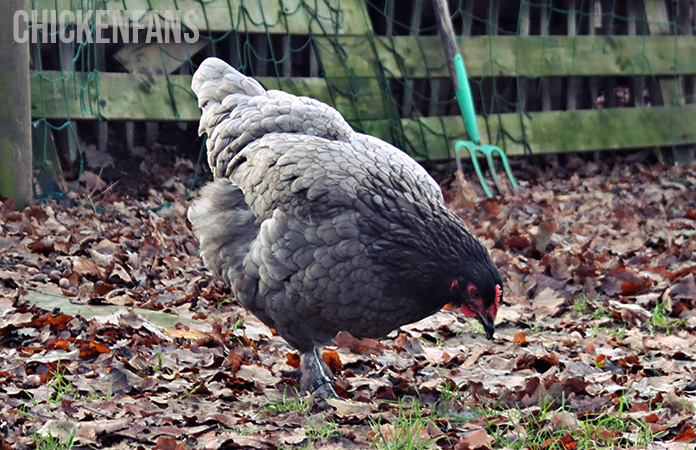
{"x":596,"y":84}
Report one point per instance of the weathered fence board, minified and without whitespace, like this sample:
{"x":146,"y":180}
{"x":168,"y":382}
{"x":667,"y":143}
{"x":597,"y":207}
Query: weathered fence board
{"x":550,"y":132}
{"x":556,"y":131}
{"x":485,"y":56}
{"x":124,"y":96}
{"x":253,"y":16}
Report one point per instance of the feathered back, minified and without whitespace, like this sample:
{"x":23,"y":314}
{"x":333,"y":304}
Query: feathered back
{"x":236,"y":110}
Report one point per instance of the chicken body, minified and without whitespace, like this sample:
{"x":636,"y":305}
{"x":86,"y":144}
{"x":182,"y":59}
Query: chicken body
{"x":320,"y":229}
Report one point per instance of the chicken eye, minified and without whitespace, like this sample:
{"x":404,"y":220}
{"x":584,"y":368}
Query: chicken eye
{"x":474,"y":293}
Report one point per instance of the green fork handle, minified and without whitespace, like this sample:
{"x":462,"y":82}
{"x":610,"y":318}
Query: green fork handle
{"x":466,"y":102}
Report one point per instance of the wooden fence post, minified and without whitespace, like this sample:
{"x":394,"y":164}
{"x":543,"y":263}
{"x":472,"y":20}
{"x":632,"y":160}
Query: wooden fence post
{"x":15,"y":105}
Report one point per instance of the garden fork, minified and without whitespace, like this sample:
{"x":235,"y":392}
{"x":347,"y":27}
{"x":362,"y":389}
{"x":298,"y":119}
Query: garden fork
{"x":455,"y":64}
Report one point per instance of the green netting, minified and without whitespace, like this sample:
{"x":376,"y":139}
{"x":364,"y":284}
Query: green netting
{"x":380,"y":62}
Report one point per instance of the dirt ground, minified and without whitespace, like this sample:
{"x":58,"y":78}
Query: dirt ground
{"x":112,"y":334}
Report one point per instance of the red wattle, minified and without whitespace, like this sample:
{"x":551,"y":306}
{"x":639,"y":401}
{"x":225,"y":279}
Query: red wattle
{"x":467,"y":312}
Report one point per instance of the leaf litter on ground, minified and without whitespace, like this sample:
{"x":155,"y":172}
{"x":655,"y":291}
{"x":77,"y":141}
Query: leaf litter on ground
{"x":113,"y":335}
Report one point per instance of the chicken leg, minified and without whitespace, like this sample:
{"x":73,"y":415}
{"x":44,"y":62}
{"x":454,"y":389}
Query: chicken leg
{"x":316,"y":375}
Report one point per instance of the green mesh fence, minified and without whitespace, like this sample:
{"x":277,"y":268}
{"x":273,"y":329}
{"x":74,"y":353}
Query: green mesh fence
{"x":540,"y":70}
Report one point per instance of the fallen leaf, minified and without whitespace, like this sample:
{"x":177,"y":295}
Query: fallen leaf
{"x":349,"y":408}
{"x":332,"y":360}
{"x":547,"y":302}
{"x":686,"y":433}
{"x":360,"y":346}
{"x":519,"y":338}
{"x":478,"y":440}
{"x":544,"y":233}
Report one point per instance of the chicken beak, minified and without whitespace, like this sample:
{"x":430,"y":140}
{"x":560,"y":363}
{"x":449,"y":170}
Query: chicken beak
{"x":488,"y":326}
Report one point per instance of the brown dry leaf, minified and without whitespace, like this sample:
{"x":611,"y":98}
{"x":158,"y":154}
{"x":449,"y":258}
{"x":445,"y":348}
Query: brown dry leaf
{"x":566,"y":442}
{"x":101,"y":259}
{"x":545,"y":231}
{"x":255,"y":330}
{"x":86,"y":267}
{"x":332,"y":360}
{"x":257,"y":373}
{"x":474,"y":356}
{"x":348,"y":408}
{"x":630,"y":313}
{"x":547,"y":302}
{"x":464,"y":193}
{"x":519,"y":338}
{"x":166,"y":443}
{"x":565,"y":420}
{"x":633,"y":288}
{"x":685,"y":287}
{"x":185,"y":333}
{"x":120,"y":274}
{"x":293,"y":360}
{"x":478,"y":440}
{"x":677,"y":403}
{"x":359,"y":346}
{"x":685,"y":434}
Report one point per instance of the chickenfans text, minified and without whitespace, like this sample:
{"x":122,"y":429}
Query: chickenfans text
{"x":106,"y":26}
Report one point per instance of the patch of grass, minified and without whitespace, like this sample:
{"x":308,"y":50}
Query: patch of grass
{"x":594,"y":330}
{"x":50,"y":442}
{"x":323,"y":428}
{"x":61,"y":386}
{"x":475,"y":326}
{"x":518,"y":429}
{"x":551,"y":427}
{"x":618,"y":333}
{"x":614,"y":431}
{"x":30,"y":397}
{"x":191,"y":392}
{"x":288,"y":403}
{"x":450,"y":398}
{"x":600,"y":312}
{"x":237,"y":324}
{"x":160,"y":362}
{"x":661,"y":321}
{"x":23,"y":411}
{"x":408,"y":429}
{"x":531,"y":327}
{"x":319,"y":426}
{"x":97,"y":396}
{"x":580,"y":305}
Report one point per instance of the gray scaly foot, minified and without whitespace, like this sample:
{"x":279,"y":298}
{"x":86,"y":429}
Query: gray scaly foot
{"x":316,"y":375}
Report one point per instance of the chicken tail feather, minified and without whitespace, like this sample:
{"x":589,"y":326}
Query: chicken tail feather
{"x":237,"y":110}
{"x":225,"y":227}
